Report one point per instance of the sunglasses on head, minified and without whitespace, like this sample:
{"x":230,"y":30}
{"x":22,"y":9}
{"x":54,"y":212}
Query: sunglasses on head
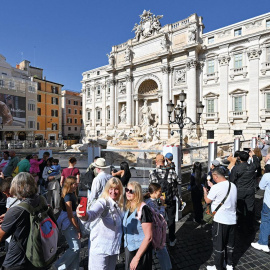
{"x":131,"y":191}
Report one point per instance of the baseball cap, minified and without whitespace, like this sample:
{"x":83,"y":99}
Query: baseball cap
{"x":215,"y":163}
{"x":169,"y":156}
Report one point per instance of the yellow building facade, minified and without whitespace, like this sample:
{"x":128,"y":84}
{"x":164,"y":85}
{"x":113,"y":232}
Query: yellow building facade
{"x":49,"y":111}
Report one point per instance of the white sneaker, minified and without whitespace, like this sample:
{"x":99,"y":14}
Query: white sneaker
{"x":211,"y":267}
{"x":172,"y":244}
{"x":264,"y":248}
{"x":229,"y":267}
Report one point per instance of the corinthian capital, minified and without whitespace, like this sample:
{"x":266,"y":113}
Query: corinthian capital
{"x":165,"y":69}
{"x":128,"y":78}
{"x":254,"y":54}
{"x":111,"y":82}
{"x":192,"y":63}
{"x":224,"y":60}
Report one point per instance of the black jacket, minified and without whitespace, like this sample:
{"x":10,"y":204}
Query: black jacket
{"x":243,"y":175}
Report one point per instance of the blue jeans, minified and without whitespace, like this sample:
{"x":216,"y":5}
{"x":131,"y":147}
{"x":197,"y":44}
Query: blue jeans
{"x":164,"y":259}
{"x":70,"y":260}
{"x":265,"y":225}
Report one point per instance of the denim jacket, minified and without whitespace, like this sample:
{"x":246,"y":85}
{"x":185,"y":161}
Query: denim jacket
{"x":133,"y":231}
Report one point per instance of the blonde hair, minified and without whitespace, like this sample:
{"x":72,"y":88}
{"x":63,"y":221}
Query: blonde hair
{"x":69,"y":181}
{"x":138,"y":196}
{"x":114,"y":182}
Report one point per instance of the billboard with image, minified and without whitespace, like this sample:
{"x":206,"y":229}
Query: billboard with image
{"x":13,"y":110}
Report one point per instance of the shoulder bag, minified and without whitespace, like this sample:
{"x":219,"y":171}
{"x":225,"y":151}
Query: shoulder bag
{"x":208,"y":215}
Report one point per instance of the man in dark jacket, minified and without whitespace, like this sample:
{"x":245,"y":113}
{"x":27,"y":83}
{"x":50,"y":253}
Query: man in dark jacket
{"x":243,"y":175}
{"x":171,"y":185}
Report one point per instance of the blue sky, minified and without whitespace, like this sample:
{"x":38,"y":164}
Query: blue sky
{"x":66,"y":37}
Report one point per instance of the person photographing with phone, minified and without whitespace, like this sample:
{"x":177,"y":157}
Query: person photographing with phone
{"x":223,"y":197}
{"x":105,"y":216}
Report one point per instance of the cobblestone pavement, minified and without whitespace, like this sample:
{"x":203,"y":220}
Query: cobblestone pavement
{"x":194,"y":248}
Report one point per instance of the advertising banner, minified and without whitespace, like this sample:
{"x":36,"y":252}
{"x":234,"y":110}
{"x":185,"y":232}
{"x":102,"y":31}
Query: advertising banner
{"x":12,"y":110}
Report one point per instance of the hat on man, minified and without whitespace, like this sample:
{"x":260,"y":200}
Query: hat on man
{"x":160,"y":157}
{"x":169,"y":156}
{"x":215,"y":163}
{"x":100,"y":163}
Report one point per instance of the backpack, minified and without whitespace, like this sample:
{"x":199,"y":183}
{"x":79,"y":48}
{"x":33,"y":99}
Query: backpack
{"x":165,"y":186}
{"x":41,"y":245}
{"x":87,"y":179}
{"x":158,"y":229}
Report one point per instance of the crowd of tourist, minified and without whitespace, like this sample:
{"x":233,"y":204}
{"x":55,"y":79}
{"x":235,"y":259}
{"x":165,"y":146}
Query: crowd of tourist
{"x":118,"y":215}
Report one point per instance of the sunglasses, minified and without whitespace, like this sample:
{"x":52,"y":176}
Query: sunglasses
{"x":131,"y":191}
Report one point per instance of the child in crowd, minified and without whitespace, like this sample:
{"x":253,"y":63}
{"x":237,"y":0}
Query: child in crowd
{"x":34,"y":169}
{"x":154,"y":200}
{"x":55,"y":168}
{"x":10,"y":202}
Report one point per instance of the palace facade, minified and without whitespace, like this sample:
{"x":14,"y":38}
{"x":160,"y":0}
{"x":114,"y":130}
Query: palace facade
{"x":228,"y":69}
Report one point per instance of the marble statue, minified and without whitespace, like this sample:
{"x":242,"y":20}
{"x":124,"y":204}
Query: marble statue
{"x":123,"y":115}
{"x":146,"y":112}
{"x":128,"y":54}
{"x":192,"y":34}
{"x":149,"y":24}
{"x":138,"y":31}
{"x":164,"y":43}
{"x":155,"y":134}
{"x":111,"y":58}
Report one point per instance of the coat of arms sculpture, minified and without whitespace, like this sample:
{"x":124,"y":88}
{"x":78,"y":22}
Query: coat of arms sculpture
{"x":149,"y":25}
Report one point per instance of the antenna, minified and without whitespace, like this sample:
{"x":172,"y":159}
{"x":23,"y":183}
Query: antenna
{"x":34,"y":56}
{"x":22,"y":55}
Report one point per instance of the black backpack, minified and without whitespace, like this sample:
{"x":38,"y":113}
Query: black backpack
{"x":88,"y":178}
{"x":165,"y":186}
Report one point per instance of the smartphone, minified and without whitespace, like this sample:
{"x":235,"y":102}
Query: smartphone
{"x":246,"y":149}
{"x":83,"y":202}
{"x":202,"y":185}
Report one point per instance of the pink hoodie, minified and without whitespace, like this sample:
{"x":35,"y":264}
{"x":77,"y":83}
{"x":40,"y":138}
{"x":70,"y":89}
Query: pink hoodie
{"x":35,"y":165}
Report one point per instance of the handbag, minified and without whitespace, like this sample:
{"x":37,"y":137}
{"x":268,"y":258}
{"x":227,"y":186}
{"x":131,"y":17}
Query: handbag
{"x":208,"y":215}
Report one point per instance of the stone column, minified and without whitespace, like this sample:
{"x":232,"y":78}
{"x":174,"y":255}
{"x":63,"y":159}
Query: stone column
{"x":224,"y":96}
{"x":129,"y":99}
{"x":165,"y":96}
{"x":192,"y":93}
{"x":103,"y":112}
{"x":160,"y":109}
{"x":136,"y":111}
{"x":112,"y":102}
{"x":93,"y":89}
{"x":253,"y":110}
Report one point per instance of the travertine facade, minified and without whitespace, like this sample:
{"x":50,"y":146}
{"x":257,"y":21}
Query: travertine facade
{"x":228,"y":69}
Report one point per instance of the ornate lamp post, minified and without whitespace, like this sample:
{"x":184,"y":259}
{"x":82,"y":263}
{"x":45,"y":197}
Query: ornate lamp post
{"x":182,"y":120}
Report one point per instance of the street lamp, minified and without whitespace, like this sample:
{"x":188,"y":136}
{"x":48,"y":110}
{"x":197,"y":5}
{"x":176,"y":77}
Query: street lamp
{"x":182,"y":120}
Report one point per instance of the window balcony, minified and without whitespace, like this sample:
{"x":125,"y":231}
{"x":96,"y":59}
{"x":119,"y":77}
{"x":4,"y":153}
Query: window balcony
{"x":210,"y":77}
{"x":241,"y":71}
{"x":265,"y":67}
{"x":238,"y":115}
{"x":210,"y":117}
{"x":265,"y":113}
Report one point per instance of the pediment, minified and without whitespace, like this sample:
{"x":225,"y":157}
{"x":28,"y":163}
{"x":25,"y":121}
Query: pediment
{"x":238,"y":92}
{"x":237,"y":49}
{"x":265,"y":89}
{"x":211,"y":95}
{"x":211,"y":55}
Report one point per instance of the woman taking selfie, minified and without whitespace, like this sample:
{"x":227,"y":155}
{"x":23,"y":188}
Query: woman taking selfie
{"x":105,"y":216}
{"x":137,"y":230}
